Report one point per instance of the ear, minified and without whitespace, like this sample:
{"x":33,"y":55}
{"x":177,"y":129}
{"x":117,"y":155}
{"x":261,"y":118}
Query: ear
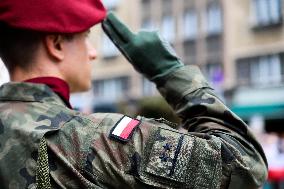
{"x":54,"y":46}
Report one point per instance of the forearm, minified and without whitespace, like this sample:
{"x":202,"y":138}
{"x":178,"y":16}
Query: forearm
{"x":203,"y":113}
{"x":194,"y":101}
{"x":182,"y":83}
{"x":191,"y":97}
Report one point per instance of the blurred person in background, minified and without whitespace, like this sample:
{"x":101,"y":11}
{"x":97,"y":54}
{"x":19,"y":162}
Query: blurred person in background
{"x":44,"y":143}
{"x":273,"y":145}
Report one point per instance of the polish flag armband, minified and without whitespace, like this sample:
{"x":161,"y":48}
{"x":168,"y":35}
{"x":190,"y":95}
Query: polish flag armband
{"x":124,"y":129}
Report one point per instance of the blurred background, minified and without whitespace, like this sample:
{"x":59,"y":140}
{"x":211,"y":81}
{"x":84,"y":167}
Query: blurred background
{"x":239,"y":46}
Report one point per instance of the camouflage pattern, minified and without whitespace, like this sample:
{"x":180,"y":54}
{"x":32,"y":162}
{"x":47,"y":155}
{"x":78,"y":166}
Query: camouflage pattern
{"x":218,"y":151}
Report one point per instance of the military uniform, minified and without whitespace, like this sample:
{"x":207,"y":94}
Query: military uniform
{"x":40,"y":135}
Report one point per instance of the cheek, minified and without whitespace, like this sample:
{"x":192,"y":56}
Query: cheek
{"x":81,"y":62}
{"x":87,"y":75}
{"x":88,"y":70}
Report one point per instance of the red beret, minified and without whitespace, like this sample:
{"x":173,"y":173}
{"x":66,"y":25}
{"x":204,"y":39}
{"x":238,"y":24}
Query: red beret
{"x":58,"y":16}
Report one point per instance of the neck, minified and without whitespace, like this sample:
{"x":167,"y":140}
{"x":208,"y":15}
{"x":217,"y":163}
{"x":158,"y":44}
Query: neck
{"x":19,"y":74}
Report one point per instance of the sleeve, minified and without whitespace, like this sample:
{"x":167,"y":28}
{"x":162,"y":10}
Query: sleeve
{"x":156,"y":155}
{"x":202,"y":112}
{"x":218,"y":151}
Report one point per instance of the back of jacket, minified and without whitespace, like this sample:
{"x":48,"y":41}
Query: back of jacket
{"x":27,"y":112}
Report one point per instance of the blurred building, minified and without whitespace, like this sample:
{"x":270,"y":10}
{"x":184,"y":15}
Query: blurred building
{"x":239,"y":45}
{"x":254,"y":60}
{"x":194,"y":28}
{"x":114,"y":79}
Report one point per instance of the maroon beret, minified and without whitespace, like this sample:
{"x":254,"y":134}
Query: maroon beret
{"x":58,"y":16}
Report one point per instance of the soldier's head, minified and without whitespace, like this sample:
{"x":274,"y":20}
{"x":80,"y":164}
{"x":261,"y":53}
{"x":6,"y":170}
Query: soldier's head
{"x":49,"y":38}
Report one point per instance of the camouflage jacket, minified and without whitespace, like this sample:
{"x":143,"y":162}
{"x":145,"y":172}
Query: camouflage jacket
{"x":44,"y":144}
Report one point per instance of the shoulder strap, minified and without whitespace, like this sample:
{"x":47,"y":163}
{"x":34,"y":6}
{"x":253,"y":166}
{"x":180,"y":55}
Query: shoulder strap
{"x":42,"y":172}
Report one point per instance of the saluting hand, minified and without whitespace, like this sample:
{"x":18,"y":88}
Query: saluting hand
{"x":146,"y":51}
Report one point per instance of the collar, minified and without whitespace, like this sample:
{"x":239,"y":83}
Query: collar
{"x":29,"y":92}
{"x":59,"y":86}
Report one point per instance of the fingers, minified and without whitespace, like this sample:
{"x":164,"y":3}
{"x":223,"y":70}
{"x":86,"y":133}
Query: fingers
{"x":116,"y":30}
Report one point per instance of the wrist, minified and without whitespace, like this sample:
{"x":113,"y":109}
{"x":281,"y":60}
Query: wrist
{"x":181,"y":82}
{"x":162,"y":76}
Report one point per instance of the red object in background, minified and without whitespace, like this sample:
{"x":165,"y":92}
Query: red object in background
{"x":276,"y":174}
{"x":56,"y":16}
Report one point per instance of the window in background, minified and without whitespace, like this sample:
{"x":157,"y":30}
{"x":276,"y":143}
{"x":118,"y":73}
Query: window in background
{"x":266,"y":12}
{"x":146,"y":5}
{"x":190,"y":51}
{"x":167,"y":6}
{"x":190,"y":24}
{"x":214,"y":45}
{"x":146,"y":2}
{"x":110,"y":90}
{"x":261,"y":71}
{"x":214,"y":73}
{"x":147,"y":24}
{"x":282,"y":65}
{"x":108,"y":48}
{"x":243,"y":71}
{"x":168,"y":27}
{"x":145,"y":9}
{"x":149,"y":88}
{"x":266,"y":70}
{"x":214,"y":19}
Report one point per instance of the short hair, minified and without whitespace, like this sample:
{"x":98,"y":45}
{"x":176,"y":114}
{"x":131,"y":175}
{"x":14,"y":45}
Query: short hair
{"x":18,"y":46}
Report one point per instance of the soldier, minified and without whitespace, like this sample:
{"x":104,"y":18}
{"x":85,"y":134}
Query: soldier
{"x":46,"y":144}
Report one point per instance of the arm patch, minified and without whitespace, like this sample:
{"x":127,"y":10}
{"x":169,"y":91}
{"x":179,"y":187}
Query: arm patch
{"x":124,"y":129}
{"x":177,"y":159}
